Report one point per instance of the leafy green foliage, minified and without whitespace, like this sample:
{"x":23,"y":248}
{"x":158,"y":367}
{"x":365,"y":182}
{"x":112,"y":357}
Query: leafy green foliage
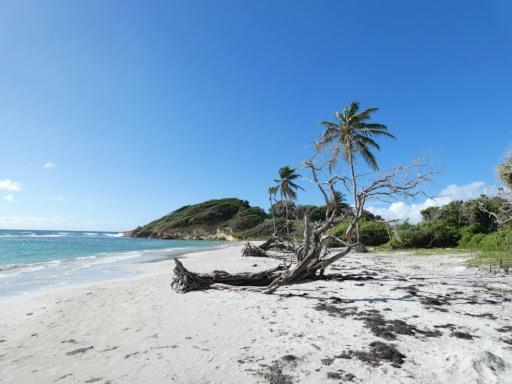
{"x":372,"y":233}
{"x":429,"y":234}
{"x":460,"y":214}
{"x":500,"y":240}
{"x":352,"y":133}
{"x":286,"y":186}
{"x":247,"y":218}
{"x":314,"y":212}
{"x":493,"y":249}
{"x":279,"y":209}
{"x":263,"y":230}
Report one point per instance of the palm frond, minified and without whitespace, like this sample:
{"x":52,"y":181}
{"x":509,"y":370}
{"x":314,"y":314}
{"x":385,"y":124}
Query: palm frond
{"x":369,"y":158}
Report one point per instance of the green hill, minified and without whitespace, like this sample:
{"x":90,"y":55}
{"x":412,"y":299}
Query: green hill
{"x":212,"y":219}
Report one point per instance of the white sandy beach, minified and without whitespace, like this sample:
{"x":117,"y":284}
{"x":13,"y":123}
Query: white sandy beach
{"x":457,"y":327}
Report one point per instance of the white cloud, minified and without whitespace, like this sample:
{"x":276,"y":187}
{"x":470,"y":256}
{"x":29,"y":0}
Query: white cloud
{"x":401,"y":210}
{"x":49,"y":165}
{"x":9,"y":199}
{"x":56,"y":198}
{"x":10,"y":185}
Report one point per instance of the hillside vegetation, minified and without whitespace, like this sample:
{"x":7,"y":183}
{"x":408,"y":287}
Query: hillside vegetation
{"x":212,"y":219}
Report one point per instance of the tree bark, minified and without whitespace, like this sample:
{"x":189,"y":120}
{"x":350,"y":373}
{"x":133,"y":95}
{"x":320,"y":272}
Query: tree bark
{"x":185,"y":281}
{"x":272,"y":212}
{"x":253,"y":250}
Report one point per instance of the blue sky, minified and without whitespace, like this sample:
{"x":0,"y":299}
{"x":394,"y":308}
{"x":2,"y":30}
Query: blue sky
{"x":137,"y":108}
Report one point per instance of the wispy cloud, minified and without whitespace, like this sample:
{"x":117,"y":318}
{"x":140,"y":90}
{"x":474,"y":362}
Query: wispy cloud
{"x":49,"y":165}
{"x":56,"y":198}
{"x":401,"y":210}
{"x":9,"y":199}
{"x":9,"y":185}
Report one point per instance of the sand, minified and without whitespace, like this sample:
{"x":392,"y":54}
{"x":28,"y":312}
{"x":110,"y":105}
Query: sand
{"x":419,"y":319}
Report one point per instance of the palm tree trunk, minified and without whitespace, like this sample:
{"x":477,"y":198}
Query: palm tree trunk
{"x":354,"y":191}
{"x":272,"y":211}
{"x":286,"y":216}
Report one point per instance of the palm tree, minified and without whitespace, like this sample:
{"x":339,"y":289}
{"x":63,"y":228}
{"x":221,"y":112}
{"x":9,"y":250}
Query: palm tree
{"x":352,"y":134}
{"x":272,"y":191}
{"x":287,"y":188}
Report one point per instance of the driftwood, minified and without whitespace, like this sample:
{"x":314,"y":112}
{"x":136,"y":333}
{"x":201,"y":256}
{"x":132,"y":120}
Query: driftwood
{"x":185,"y":281}
{"x":313,"y":256}
{"x":274,"y":243}
{"x":253,"y":250}
{"x":360,"y":248}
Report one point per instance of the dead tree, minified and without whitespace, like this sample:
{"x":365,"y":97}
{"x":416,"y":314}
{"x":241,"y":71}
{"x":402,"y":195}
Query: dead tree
{"x":503,"y":216}
{"x":190,"y":281}
{"x":313,"y":255}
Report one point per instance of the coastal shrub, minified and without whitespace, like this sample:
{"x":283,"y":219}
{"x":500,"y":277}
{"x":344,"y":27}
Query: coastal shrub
{"x":261,"y":231}
{"x":372,"y":233}
{"x":279,"y":209}
{"x":470,"y":240}
{"x":314,"y":212}
{"x":248,"y":218}
{"x":460,"y":214}
{"x":500,"y":240}
{"x":429,"y":234}
{"x":494,"y":249}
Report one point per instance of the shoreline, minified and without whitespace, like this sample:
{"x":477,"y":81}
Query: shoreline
{"x":137,"y":330}
{"x":124,"y":271}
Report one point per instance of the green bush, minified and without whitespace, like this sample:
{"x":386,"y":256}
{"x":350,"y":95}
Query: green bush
{"x":468,"y":213}
{"x":248,"y":218}
{"x":314,"y":212}
{"x":261,"y":231}
{"x":429,"y":234}
{"x":470,"y":240}
{"x":493,"y":249}
{"x":372,"y":233}
{"x":498,"y":241}
{"x":501,"y":240}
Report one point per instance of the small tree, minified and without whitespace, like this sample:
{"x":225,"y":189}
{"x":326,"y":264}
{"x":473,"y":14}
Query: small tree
{"x":503,"y":216}
{"x":287,"y":189}
{"x":504,"y":170}
{"x":352,"y":134}
{"x":271,"y":194}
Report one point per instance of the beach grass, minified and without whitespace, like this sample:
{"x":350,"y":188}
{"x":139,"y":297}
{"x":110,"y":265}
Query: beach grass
{"x":492,"y":258}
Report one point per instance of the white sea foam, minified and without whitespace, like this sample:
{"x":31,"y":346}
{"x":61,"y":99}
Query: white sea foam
{"x":22,"y":278}
{"x":120,"y":234}
{"x":28,"y":234}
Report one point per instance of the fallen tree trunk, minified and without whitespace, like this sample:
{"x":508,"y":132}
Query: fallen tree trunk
{"x":261,"y":250}
{"x":253,"y":250}
{"x":312,"y":256}
{"x":185,"y":281}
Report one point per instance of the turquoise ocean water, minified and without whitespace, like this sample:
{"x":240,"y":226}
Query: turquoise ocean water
{"x":35,"y":260}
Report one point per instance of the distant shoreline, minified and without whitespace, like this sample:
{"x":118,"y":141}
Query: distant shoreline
{"x":33,"y":261}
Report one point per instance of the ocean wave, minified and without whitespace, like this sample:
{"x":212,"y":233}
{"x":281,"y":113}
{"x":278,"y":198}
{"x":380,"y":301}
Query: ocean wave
{"x":12,"y":235}
{"x":120,"y":234}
